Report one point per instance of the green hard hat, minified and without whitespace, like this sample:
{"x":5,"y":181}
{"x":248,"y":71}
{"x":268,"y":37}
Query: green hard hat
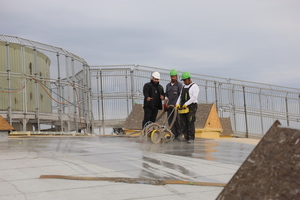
{"x":173,"y":72}
{"x":185,"y":75}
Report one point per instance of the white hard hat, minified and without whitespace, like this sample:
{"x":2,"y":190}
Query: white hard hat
{"x":156,"y":75}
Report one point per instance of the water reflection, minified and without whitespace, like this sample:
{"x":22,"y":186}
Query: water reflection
{"x":208,"y":149}
{"x":199,"y":149}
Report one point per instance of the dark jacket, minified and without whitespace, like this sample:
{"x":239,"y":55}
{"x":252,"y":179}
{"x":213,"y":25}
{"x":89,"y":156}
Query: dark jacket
{"x":153,"y":91}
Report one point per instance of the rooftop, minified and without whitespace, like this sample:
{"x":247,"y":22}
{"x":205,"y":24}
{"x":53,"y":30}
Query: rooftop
{"x":24,"y":159}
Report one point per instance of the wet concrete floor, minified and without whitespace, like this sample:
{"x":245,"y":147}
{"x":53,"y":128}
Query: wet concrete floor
{"x":23,"y":160}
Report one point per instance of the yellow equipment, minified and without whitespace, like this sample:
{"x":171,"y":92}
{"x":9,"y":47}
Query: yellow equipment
{"x":183,"y":110}
{"x":156,"y":136}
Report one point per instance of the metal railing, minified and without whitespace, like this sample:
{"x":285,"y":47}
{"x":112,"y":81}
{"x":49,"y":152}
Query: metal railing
{"x":252,"y":107}
{"x":101,"y":96}
{"x":52,"y":78}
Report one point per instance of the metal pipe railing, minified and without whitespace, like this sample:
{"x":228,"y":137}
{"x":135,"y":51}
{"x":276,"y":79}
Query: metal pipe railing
{"x":258,"y":106}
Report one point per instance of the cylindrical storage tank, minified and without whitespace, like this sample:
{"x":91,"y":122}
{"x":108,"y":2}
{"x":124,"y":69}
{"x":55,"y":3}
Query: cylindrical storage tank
{"x":24,"y":76}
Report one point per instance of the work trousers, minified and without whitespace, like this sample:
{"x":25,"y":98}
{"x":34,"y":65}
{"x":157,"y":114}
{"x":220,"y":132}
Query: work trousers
{"x":149,"y":115}
{"x":188,"y":122}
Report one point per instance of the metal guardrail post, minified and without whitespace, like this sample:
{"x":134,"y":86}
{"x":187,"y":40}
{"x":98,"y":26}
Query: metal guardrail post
{"x":126,"y":86}
{"x":24,"y":94}
{"x":98,"y":96}
{"x":206,"y":96}
{"x":75,"y":100}
{"x":260,"y":112}
{"x":102,"y":99}
{"x":233,"y":108}
{"x":68,"y":92}
{"x":245,"y":110}
{"x":299,"y":108}
{"x":90,"y":104}
{"x":216,"y":95}
{"x":60,"y":93}
{"x":8,"y":81}
{"x":132,"y":86}
{"x":36,"y":90}
{"x":287,"y":111}
{"x":85,"y":104}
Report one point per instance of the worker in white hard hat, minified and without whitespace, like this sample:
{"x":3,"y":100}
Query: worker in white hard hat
{"x":153,"y":96}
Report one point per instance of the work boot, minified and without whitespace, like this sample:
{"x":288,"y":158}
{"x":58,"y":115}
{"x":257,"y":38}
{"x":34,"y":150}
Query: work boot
{"x":189,"y":141}
{"x":179,"y":138}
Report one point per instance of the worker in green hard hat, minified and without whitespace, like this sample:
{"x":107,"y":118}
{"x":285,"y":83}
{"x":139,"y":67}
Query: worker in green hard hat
{"x":188,"y":99}
{"x":172,"y":93}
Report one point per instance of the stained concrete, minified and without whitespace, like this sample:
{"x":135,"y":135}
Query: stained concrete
{"x":272,"y":169}
{"x":135,"y":118}
{"x":24,"y":159}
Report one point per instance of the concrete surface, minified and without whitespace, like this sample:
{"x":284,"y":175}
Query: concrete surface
{"x":23,"y":160}
{"x":271,"y":171}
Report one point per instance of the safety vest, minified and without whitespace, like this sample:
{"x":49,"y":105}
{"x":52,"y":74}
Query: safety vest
{"x":185,"y":96}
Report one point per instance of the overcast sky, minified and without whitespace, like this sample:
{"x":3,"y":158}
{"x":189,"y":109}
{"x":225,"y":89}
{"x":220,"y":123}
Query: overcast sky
{"x":253,"y":40}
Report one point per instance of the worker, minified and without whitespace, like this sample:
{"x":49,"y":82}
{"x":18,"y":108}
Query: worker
{"x":188,"y":100}
{"x":153,"y":96}
{"x":173,"y":90}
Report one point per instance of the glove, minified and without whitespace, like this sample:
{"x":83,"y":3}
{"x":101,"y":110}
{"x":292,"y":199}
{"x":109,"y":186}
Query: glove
{"x":177,"y":106}
{"x":184,"y":106}
{"x":165,"y":107}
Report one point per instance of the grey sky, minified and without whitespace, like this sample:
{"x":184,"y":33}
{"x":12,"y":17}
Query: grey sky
{"x":253,"y":40}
